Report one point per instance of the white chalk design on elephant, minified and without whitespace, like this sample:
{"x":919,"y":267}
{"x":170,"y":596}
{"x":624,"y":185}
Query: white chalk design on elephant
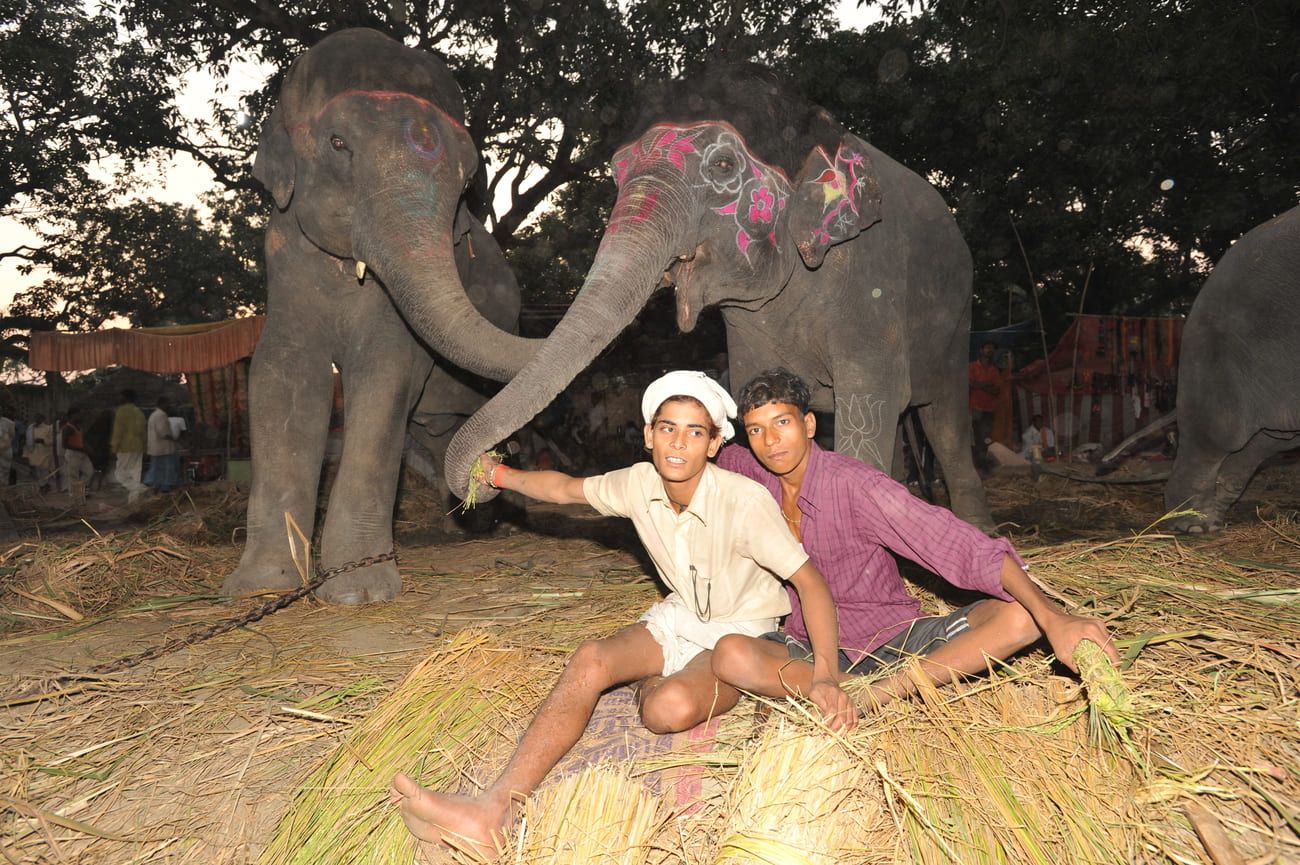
{"x":859,"y":421}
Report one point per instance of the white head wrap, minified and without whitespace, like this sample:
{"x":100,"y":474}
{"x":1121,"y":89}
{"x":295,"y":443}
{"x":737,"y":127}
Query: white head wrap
{"x":687,"y":382}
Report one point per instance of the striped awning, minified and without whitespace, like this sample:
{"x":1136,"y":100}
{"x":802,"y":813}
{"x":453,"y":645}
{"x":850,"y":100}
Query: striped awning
{"x":185,"y":348}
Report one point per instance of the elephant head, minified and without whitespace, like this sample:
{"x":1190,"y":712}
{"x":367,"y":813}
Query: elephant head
{"x":367,"y":152}
{"x":724,"y":190}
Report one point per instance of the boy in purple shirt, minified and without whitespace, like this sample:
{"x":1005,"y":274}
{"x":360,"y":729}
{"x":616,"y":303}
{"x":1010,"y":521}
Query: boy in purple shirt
{"x":849,"y":516}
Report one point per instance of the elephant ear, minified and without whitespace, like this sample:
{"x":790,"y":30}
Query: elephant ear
{"x":834,"y":200}
{"x":274,"y":166}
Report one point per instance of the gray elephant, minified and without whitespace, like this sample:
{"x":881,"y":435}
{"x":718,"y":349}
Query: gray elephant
{"x":372,"y":259}
{"x":1238,"y":373}
{"x":825,"y":255}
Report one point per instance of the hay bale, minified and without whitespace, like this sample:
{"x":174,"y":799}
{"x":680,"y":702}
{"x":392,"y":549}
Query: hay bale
{"x":792,"y":802}
{"x":599,"y":816}
{"x":436,"y":725}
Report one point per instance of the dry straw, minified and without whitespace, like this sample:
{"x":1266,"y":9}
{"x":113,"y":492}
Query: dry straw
{"x":599,"y":816}
{"x":437,"y":725}
{"x":791,"y":801}
{"x":985,"y":777}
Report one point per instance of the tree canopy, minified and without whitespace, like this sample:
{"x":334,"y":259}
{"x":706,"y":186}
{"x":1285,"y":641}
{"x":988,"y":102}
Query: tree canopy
{"x":1124,"y":146}
{"x":1048,"y":126}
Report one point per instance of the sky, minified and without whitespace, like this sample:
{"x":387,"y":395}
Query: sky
{"x":183,"y":178}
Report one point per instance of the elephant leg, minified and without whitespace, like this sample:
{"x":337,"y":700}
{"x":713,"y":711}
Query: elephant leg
{"x":947,"y":427}
{"x":866,"y":425}
{"x":382,"y":378}
{"x":1215,"y":494}
{"x":1193,"y":481}
{"x":291,"y":386}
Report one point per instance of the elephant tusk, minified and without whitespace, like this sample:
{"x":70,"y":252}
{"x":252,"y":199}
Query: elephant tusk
{"x":361,"y":270}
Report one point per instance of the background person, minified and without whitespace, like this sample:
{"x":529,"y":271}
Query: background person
{"x":8,"y":433}
{"x":77,"y":467}
{"x":40,"y":454}
{"x":985,"y":385}
{"x":127,"y":444}
{"x":1037,"y":441}
{"x":164,"y":457}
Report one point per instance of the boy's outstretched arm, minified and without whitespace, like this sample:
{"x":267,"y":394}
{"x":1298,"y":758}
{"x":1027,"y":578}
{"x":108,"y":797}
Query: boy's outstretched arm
{"x":1063,"y":630}
{"x":547,"y":486}
{"x":823,"y":630}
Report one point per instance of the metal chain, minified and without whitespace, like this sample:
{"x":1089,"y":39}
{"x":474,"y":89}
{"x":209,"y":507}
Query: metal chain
{"x":239,"y":621}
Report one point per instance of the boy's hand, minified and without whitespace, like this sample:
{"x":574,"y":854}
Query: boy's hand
{"x":839,"y":712}
{"x":487,"y":462}
{"x":1066,"y":630}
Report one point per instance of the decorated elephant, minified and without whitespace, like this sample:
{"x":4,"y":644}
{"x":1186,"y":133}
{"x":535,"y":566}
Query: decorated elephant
{"x":1238,"y":374}
{"x":372,"y":260}
{"x":825,"y":255}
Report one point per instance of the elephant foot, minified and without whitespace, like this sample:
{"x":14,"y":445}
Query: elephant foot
{"x":256,"y":577}
{"x":1196,"y":524}
{"x":367,"y":585}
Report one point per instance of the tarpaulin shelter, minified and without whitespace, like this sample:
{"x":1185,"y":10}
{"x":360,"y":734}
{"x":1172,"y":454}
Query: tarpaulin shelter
{"x":213,"y":357}
{"x":1110,"y":375}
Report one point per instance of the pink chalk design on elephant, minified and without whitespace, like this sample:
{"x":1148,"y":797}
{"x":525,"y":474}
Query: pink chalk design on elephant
{"x":844,"y":182}
{"x":760,"y":191}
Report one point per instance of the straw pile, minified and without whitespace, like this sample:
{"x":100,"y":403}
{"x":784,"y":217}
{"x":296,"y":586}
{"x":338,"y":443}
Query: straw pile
{"x":438,"y":725}
{"x":991,"y":777}
{"x":796,"y":799}
{"x":599,"y":816}
{"x":49,"y":585}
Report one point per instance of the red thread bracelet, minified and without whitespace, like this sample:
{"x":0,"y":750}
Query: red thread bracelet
{"x":492,"y":479}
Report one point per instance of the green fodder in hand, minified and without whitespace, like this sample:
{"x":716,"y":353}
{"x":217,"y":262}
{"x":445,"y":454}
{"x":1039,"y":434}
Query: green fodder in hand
{"x":477,"y":478}
{"x":1111,"y":711}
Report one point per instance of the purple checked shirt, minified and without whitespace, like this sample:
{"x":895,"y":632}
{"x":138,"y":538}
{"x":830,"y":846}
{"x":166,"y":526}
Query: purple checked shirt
{"x":853,"y":515}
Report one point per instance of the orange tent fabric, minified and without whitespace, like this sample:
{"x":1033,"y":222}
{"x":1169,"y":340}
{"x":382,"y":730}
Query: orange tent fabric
{"x":166,"y":350}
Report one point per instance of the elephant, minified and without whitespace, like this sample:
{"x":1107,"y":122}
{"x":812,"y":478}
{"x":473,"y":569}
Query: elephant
{"x":824,"y":255}
{"x":1238,"y":399}
{"x":375,"y":266}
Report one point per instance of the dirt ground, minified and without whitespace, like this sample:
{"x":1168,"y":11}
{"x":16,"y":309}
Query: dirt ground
{"x":193,"y":757}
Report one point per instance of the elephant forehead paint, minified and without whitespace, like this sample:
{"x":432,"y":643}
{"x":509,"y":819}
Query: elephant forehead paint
{"x":711,"y":157}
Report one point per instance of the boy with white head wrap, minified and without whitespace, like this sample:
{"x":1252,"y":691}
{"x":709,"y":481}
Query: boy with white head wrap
{"x":718,"y":541}
{"x":688,"y":382}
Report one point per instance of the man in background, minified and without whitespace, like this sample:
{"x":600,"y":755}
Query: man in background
{"x":77,"y":468}
{"x":164,"y":460}
{"x":127,"y":444}
{"x":985,"y":385}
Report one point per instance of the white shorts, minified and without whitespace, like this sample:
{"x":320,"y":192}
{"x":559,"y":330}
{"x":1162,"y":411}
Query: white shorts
{"x":681,"y":635}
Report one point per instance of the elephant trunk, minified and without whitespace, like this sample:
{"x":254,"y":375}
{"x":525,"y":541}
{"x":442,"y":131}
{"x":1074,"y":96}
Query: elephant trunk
{"x":417,"y":267}
{"x":628,"y":268}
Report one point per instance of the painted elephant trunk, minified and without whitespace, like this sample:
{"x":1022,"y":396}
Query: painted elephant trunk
{"x":421,"y":277}
{"x":627,"y":270}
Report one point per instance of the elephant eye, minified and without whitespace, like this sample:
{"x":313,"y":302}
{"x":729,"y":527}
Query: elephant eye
{"x":724,"y":163}
{"x":338,"y":143}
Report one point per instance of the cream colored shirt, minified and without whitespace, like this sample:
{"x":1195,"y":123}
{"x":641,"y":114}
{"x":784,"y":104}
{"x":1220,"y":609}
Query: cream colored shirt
{"x":725,"y":555}
{"x":159,"y":432}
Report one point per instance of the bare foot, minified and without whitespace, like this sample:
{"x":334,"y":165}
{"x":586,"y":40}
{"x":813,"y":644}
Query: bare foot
{"x":475,"y":826}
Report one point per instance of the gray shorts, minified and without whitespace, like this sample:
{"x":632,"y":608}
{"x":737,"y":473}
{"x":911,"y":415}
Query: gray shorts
{"x":921,"y":637}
